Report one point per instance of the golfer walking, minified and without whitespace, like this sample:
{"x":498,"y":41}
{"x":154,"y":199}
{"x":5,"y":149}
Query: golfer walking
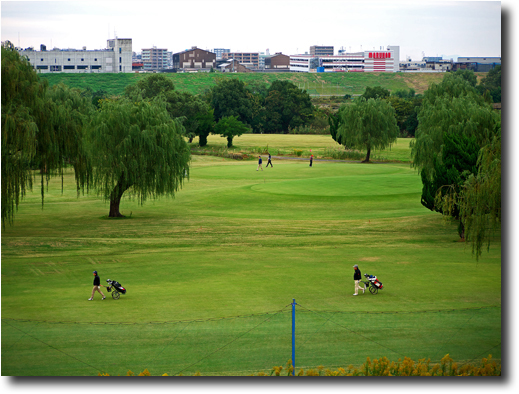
{"x":97,"y":283}
{"x":269,"y":162}
{"x":259,"y":164}
{"x":311,"y":160}
{"x":357,"y":276}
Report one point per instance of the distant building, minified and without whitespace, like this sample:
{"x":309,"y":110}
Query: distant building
{"x":438,"y":64}
{"x":277,"y":62}
{"x":194,"y":59}
{"x":316,"y":50}
{"x":116,"y":58}
{"x":412,"y":65}
{"x":154,"y":58}
{"x":477,"y":64}
{"x":233,"y":66}
{"x":137,"y":66}
{"x":220,"y":51}
{"x":248,"y":59}
{"x":367,"y":61}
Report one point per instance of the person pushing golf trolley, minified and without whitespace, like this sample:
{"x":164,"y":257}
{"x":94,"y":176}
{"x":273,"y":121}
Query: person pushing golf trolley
{"x":97,"y":287}
{"x":373,"y":284}
{"x":357,"y":277}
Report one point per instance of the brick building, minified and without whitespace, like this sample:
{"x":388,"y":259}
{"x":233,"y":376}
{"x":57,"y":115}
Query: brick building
{"x":194,"y":58}
{"x":277,"y":62}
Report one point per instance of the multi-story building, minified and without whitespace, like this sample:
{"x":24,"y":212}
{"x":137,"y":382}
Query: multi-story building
{"x":194,"y":58}
{"x":316,"y":50}
{"x":220,"y":51}
{"x":248,"y":59}
{"x":116,"y":58}
{"x":367,"y":61}
{"x":154,"y":58}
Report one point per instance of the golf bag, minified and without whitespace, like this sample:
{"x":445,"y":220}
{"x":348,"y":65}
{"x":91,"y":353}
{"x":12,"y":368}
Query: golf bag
{"x":115,"y":288}
{"x":373,"y":284}
{"x":373,"y":279}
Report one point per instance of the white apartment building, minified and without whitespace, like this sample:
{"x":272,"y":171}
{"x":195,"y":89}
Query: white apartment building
{"x":116,"y":58}
{"x":366,"y":61}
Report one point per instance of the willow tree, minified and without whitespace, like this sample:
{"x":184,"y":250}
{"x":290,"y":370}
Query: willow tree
{"x":72,"y":111}
{"x":21,"y":95}
{"x":40,"y":130}
{"x":453,"y":106}
{"x":135,"y":146}
{"x":454,"y":111}
{"x":367,"y":124}
{"x":480,"y":203}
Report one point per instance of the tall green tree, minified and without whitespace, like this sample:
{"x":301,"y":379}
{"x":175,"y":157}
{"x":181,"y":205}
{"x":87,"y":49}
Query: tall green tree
{"x":455,"y":123}
{"x":457,"y":162}
{"x":492,"y":84}
{"x":367,"y":124}
{"x":403,"y":110}
{"x":188,"y":108}
{"x":40,"y":130}
{"x":230,"y":97}
{"x":452,"y":106}
{"x":22,"y":99}
{"x":72,"y":111}
{"x":136,"y":146}
{"x":480,"y":197}
{"x":287,"y":107}
{"x":205,"y":125}
{"x":191,"y":110}
{"x":230,"y":127}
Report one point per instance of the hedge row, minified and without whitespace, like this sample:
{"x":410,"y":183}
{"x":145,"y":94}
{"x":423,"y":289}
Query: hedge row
{"x":384,"y":367}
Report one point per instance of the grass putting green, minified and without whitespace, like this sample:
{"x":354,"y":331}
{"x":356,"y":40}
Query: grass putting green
{"x":210,"y":275}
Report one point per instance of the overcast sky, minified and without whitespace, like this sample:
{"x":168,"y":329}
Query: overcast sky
{"x":433,"y":28}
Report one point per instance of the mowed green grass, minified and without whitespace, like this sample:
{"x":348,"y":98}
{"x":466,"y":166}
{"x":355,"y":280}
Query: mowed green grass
{"x":203,"y":270}
{"x":314,"y":83}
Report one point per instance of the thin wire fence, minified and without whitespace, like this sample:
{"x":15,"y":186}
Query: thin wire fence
{"x":248,"y":344}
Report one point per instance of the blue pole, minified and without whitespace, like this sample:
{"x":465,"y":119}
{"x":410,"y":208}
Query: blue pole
{"x":293,"y":336}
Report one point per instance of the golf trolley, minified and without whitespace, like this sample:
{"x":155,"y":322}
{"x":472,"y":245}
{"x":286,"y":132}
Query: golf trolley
{"x":115,"y":288}
{"x":373,"y":284}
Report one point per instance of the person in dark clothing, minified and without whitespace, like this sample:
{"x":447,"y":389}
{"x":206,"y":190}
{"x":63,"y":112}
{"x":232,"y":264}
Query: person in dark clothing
{"x":269,"y":162}
{"x":97,"y":284}
{"x":259,"y":164}
{"x":357,"y":277}
{"x":311,"y":160}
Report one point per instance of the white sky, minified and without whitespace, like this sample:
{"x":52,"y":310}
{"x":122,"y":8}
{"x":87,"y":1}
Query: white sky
{"x":435,"y":28}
